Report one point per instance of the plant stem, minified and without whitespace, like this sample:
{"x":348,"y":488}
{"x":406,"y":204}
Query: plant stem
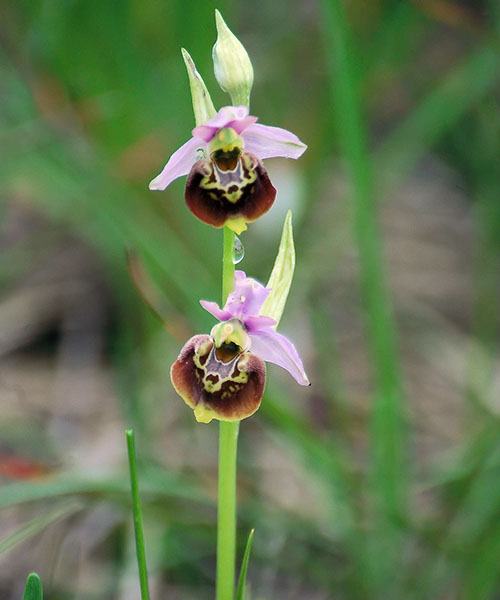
{"x":227,"y":264}
{"x":136,"y":506}
{"x":228,"y":443}
{"x":226,"y":516}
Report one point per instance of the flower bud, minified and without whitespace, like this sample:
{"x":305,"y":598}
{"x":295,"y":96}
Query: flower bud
{"x":232,"y":66}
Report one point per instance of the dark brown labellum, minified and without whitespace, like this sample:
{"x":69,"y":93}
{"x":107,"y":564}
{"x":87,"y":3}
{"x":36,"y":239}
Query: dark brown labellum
{"x":215,"y":389}
{"x":217,"y":191}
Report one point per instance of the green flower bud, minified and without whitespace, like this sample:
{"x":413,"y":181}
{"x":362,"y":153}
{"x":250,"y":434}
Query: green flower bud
{"x":232,"y":66}
{"x":203,"y":107}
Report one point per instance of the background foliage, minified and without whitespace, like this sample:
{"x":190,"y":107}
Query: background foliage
{"x":382,"y":480}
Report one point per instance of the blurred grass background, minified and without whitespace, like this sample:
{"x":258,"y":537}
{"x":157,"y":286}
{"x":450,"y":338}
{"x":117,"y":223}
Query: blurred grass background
{"x":380,"y":481}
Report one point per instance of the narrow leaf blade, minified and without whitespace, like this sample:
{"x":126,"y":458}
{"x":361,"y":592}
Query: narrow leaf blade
{"x":240,"y":594}
{"x":36,"y":525}
{"x":137,"y":512}
{"x":33,"y":589}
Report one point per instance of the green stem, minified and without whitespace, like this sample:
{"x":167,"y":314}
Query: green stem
{"x":227,"y":264}
{"x":136,"y":507}
{"x":226,"y":515}
{"x":228,"y":444}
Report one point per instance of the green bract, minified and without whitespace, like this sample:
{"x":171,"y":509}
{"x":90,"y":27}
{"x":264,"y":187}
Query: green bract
{"x":203,"y":107}
{"x":282,"y":274}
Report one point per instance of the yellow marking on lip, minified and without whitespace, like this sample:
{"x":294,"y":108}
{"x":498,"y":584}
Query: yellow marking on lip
{"x":237,"y":225}
{"x":203,"y":414}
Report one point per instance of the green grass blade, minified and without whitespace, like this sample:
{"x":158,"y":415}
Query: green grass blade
{"x":157,"y":483}
{"x":481,"y":570}
{"x":33,"y":589}
{"x":437,"y":114}
{"x":322,"y":456}
{"x":469,"y":532}
{"x":389,"y":447}
{"x":136,"y":507}
{"x":36,"y":525}
{"x":240,"y":593}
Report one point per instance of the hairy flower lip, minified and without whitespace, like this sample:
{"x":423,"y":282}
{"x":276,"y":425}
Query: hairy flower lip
{"x":221,"y":197}
{"x":225,"y":390}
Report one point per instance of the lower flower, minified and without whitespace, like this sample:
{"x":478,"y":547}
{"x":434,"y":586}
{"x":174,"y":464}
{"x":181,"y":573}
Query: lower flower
{"x":221,"y":382}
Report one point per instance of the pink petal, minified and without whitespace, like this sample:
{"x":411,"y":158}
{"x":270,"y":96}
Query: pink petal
{"x":214,"y":310}
{"x":228,"y":116}
{"x":178,"y":164}
{"x":269,"y":142}
{"x":255,"y":323}
{"x":247,"y":298}
{"x":205,"y":132}
{"x":242,"y":124}
{"x":276,"y":348}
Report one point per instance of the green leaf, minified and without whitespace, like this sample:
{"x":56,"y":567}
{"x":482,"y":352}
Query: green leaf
{"x":389,"y":439}
{"x":157,"y":483}
{"x":36,"y":525}
{"x":282,"y":273}
{"x":240,"y":593}
{"x":203,"y":106}
{"x":437,"y":113}
{"x":481,"y":568}
{"x":33,"y":589}
{"x":137,"y":512}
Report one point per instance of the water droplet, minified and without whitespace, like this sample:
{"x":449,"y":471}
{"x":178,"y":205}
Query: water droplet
{"x":238,"y":251}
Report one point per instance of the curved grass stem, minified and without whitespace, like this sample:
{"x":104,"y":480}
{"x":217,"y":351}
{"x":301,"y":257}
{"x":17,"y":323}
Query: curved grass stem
{"x":136,"y":506}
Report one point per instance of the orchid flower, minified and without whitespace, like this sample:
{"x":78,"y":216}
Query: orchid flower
{"x":222,"y":375}
{"x":227,"y":184}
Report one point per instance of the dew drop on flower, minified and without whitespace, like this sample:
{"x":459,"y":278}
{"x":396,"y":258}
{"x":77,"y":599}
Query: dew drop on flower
{"x":238,"y":251}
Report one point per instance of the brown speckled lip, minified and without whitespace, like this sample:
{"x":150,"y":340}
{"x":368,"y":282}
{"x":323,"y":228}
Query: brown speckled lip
{"x":213,"y":207}
{"x":235,"y":400}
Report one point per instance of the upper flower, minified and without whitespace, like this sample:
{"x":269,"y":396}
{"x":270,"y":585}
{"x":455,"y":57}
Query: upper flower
{"x":227,"y":184}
